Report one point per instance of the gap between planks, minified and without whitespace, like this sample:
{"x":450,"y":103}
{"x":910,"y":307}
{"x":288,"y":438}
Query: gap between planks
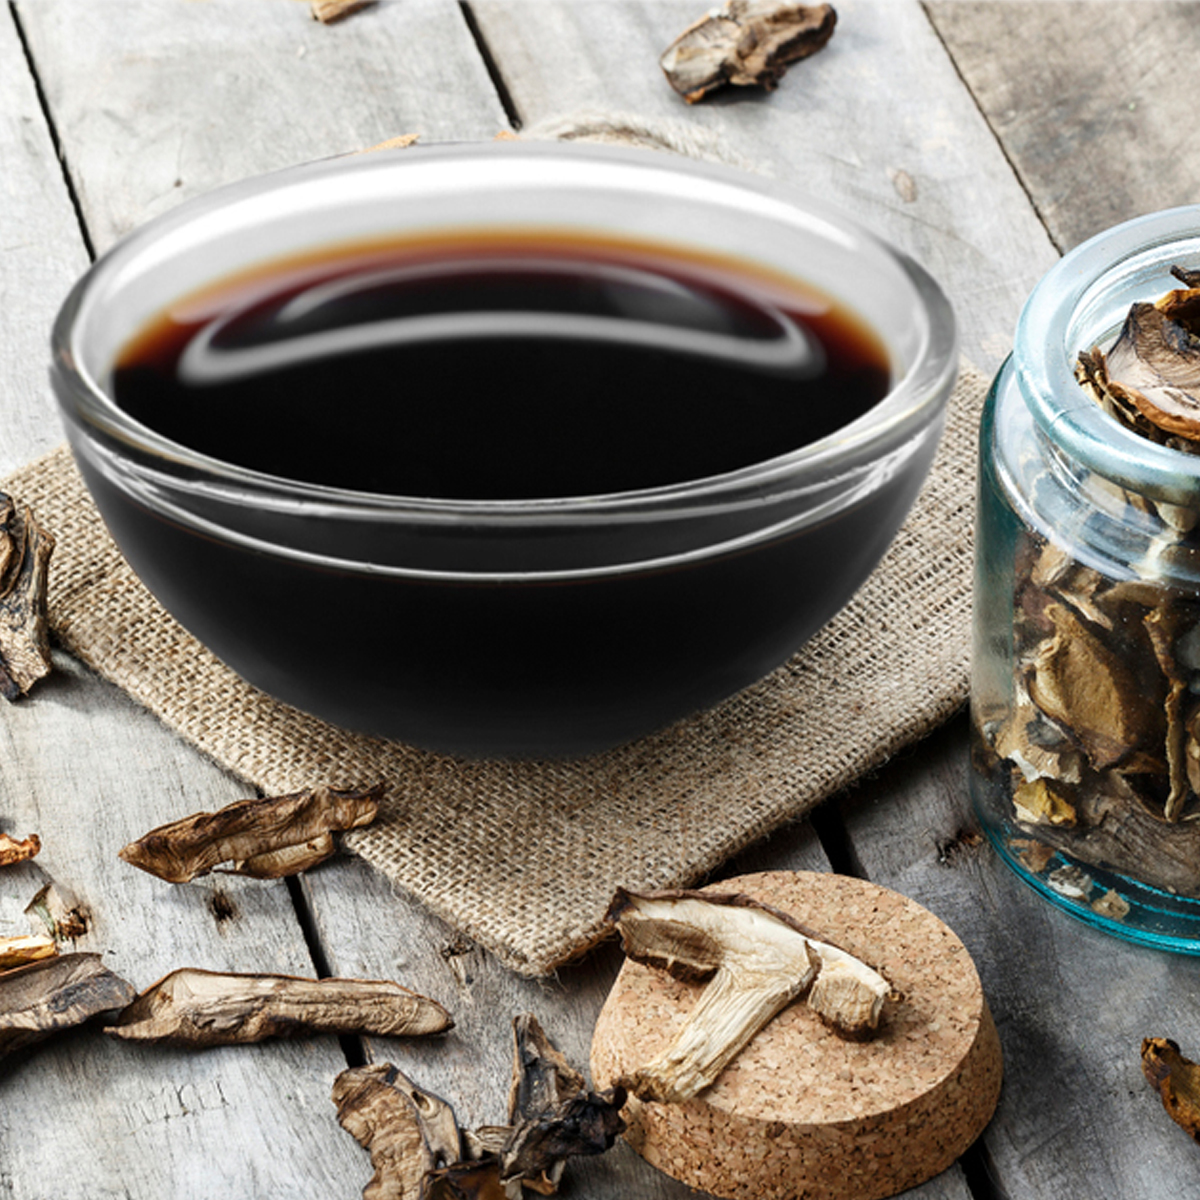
{"x":503,"y":93}
{"x":52,"y":129}
{"x":1008,"y":158}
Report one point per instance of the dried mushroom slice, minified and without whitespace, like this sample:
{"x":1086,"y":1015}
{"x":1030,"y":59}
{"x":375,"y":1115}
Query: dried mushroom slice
{"x":1119,"y":828}
{"x":1156,"y":363}
{"x":542,"y":1077}
{"x":1086,"y":687}
{"x":407,"y":1131}
{"x":417,"y":1150}
{"x":538,"y":1148}
{"x":756,"y":960}
{"x":470,"y":1181}
{"x":1034,"y":744}
{"x":58,"y":911}
{"x":1112,"y":905}
{"x":17,"y":951}
{"x":1191,"y":746}
{"x":25,"y":550}
{"x":1177,"y":1081}
{"x":263,"y":838}
{"x":552,"y":1115}
{"x":1092,"y":372}
{"x":1150,"y":378}
{"x":14,"y":851}
{"x":543,"y":1081}
{"x":195,"y":1008}
{"x":329,"y":11}
{"x":1044,"y":802}
{"x":55,"y":994}
{"x":746,"y":43}
{"x":1164,"y":625}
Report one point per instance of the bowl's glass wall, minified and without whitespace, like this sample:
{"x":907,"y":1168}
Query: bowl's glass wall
{"x":524,"y":627}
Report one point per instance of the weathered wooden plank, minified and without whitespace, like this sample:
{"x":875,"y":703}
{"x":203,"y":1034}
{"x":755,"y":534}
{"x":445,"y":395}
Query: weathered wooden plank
{"x":41,"y":253}
{"x":1091,"y":102}
{"x":83,"y":767}
{"x":878,"y":122}
{"x":156,"y":100}
{"x":1072,"y":1005}
{"x":145,"y":95}
{"x":87,"y":770}
{"x":1091,"y":142}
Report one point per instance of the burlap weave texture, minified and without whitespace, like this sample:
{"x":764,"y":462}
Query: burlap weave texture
{"x":524,"y":857}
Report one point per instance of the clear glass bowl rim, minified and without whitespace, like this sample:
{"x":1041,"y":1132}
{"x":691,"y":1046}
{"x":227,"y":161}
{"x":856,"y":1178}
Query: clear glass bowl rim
{"x":916,"y":399}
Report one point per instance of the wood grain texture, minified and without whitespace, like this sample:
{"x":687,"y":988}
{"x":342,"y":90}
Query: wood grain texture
{"x":1071,"y":1004}
{"x":159,"y":100}
{"x":83,"y":767}
{"x":1092,"y":101}
{"x":878,"y":122}
{"x":41,"y":252}
{"x":86,"y":769}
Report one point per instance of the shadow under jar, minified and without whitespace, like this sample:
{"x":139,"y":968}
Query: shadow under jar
{"x":1086,"y":673}
{"x":506,"y":450}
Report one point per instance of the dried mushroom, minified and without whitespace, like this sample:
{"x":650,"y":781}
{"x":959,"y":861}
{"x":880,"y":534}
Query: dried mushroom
{"x":54,"y":994}
{"x":1081,"y":684}
{"x":1043,"y":802}
{"x":328,"y":11}
{"x":746,"y":43}
{"x":59,"y":912}
{"x":1112,"y":905}
{"x":551,"y":1113}
{"x":1150,"y":379}
{"x":13,"y":851}
{"x":25,"y":550}
{"x":407,"y":1131}
{"x":17,"y":951}
{"x":265,"y":839}
{"x":470,"y":1181}
{"x":1177,"y":1081}
{"x":418,"y":1152}
{"x":753,"y":960}
{"x":199,"y":1009}
{"x":1163,"y":624}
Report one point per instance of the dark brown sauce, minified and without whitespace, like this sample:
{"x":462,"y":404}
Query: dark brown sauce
{"x":502,"y":368}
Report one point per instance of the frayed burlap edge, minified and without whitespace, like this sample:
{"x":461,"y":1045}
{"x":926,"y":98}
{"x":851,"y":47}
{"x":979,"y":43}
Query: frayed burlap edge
{"x":524,"y":857}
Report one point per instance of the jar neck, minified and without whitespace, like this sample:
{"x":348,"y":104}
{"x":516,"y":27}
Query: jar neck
{"x":1081,"y":303}
{"x":1100,"y":523}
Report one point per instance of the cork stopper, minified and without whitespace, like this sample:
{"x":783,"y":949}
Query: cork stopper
{"x":800,"y":1111}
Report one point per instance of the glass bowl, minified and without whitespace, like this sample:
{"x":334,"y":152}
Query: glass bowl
{"x":555,"y":626}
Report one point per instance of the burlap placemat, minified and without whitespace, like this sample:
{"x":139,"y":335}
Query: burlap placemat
{"x":524,"y":857}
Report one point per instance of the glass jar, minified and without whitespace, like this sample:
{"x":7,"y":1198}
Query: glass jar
{"x":1085,"y":707}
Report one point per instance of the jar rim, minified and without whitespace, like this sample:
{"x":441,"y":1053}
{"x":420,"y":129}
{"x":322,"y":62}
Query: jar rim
{"x":1071,"y":309}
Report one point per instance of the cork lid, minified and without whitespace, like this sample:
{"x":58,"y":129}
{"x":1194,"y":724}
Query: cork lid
{"x":799,"y":1110}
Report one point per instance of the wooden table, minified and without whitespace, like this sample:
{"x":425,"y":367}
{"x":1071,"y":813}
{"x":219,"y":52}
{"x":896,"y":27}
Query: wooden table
{"x":982,"y":138}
